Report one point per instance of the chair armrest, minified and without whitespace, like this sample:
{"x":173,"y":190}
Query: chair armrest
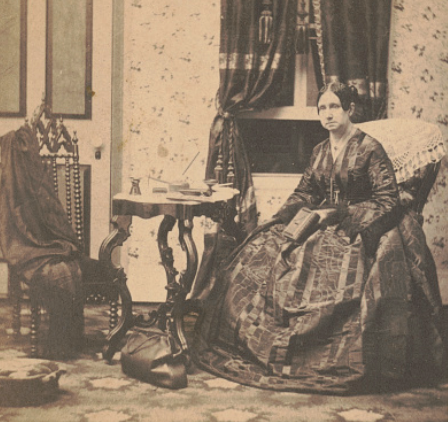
{"x":414,"y":191}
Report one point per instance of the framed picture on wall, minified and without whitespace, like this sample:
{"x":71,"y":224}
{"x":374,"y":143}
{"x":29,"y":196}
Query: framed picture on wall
{"x":13,"y":58}
{"x":69,"y":58}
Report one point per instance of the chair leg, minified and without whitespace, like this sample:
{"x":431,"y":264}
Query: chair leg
{"x":35,"y":322}
{"x":113,"y":314}
{"x":16,"y":310}
{"x":16,"y":301}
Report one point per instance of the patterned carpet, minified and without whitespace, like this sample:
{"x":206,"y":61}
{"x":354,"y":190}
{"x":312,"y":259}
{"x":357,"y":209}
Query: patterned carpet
{"x":93,"y":391}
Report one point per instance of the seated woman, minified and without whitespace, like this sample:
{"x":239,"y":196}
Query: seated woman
{"x":347,"y":308}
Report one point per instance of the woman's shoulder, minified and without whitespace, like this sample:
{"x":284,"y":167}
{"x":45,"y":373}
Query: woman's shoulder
{"x":370,"y":143}
{"x":320,"y":145}
{"x":321,"y":148}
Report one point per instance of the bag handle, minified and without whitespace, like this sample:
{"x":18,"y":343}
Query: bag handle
{"x":175,"y":348}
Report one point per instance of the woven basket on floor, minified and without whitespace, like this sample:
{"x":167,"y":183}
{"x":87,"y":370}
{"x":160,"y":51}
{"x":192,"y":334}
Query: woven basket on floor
{"x":28,"y":382}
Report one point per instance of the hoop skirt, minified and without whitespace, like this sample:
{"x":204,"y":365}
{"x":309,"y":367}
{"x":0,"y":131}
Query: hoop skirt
{"x":352,"y":308}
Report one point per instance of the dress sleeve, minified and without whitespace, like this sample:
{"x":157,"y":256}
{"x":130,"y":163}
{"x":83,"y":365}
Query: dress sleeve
{"x":377,"y":215}
{"x":305,"y":194}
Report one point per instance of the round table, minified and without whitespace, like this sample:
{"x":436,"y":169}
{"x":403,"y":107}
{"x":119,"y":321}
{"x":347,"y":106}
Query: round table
{"x":175,"y":207}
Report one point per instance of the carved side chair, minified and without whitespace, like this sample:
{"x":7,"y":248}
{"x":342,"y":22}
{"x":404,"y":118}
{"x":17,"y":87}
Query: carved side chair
{"x":59,"y":151}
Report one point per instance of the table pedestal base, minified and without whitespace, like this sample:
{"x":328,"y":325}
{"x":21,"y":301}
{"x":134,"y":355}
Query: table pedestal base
{"x":169,"y":315}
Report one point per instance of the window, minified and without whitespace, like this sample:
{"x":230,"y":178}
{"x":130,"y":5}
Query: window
{"x":280,"y":146}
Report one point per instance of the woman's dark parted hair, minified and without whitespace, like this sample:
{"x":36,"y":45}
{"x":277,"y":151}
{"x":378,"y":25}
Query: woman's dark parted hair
{"x":346,"y":94}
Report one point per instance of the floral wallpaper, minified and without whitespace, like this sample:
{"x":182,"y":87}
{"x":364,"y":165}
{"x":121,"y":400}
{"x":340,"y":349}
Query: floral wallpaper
{"x":418,"y":81}
{"x":171,"y":78}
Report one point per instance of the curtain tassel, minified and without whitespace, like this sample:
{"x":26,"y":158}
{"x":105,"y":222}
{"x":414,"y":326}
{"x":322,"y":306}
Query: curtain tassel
{"x":302,"y":29}
{"x":302,"y":40}
{"x":219,"y":169}
{"x":265,"y":23}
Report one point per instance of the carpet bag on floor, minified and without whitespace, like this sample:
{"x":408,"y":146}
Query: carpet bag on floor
{"x":154,"y":356}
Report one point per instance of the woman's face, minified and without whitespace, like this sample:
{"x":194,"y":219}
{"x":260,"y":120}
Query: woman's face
{"x":331,"y":114}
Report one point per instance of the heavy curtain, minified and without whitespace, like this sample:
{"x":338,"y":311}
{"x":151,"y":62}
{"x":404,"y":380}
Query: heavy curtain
{"x":253,"y":75}
{"x":353,"y":41}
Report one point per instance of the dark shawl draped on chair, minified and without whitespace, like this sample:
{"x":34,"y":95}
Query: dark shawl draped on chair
{"x":353,"y":41}
{"x":252,"y":75}
{"x":38,"y":241}
{"x":33,"y":223}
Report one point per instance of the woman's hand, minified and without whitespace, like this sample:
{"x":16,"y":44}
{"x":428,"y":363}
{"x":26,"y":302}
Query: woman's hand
{"x":332,"y":216}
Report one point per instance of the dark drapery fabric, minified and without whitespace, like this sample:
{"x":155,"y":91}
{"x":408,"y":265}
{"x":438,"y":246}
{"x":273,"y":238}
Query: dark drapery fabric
{"x":38,"y":241}
{"x":34,"y":225}
{"x":351,"y":309}
{"x":353,"y":38}
{"x":252,"y":75}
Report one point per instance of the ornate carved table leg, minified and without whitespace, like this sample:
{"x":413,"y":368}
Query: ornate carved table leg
{"x":120,"y":325}
{"x":166,"y":255}
{"x":185,"y":280}
{"x":171,"y":312}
